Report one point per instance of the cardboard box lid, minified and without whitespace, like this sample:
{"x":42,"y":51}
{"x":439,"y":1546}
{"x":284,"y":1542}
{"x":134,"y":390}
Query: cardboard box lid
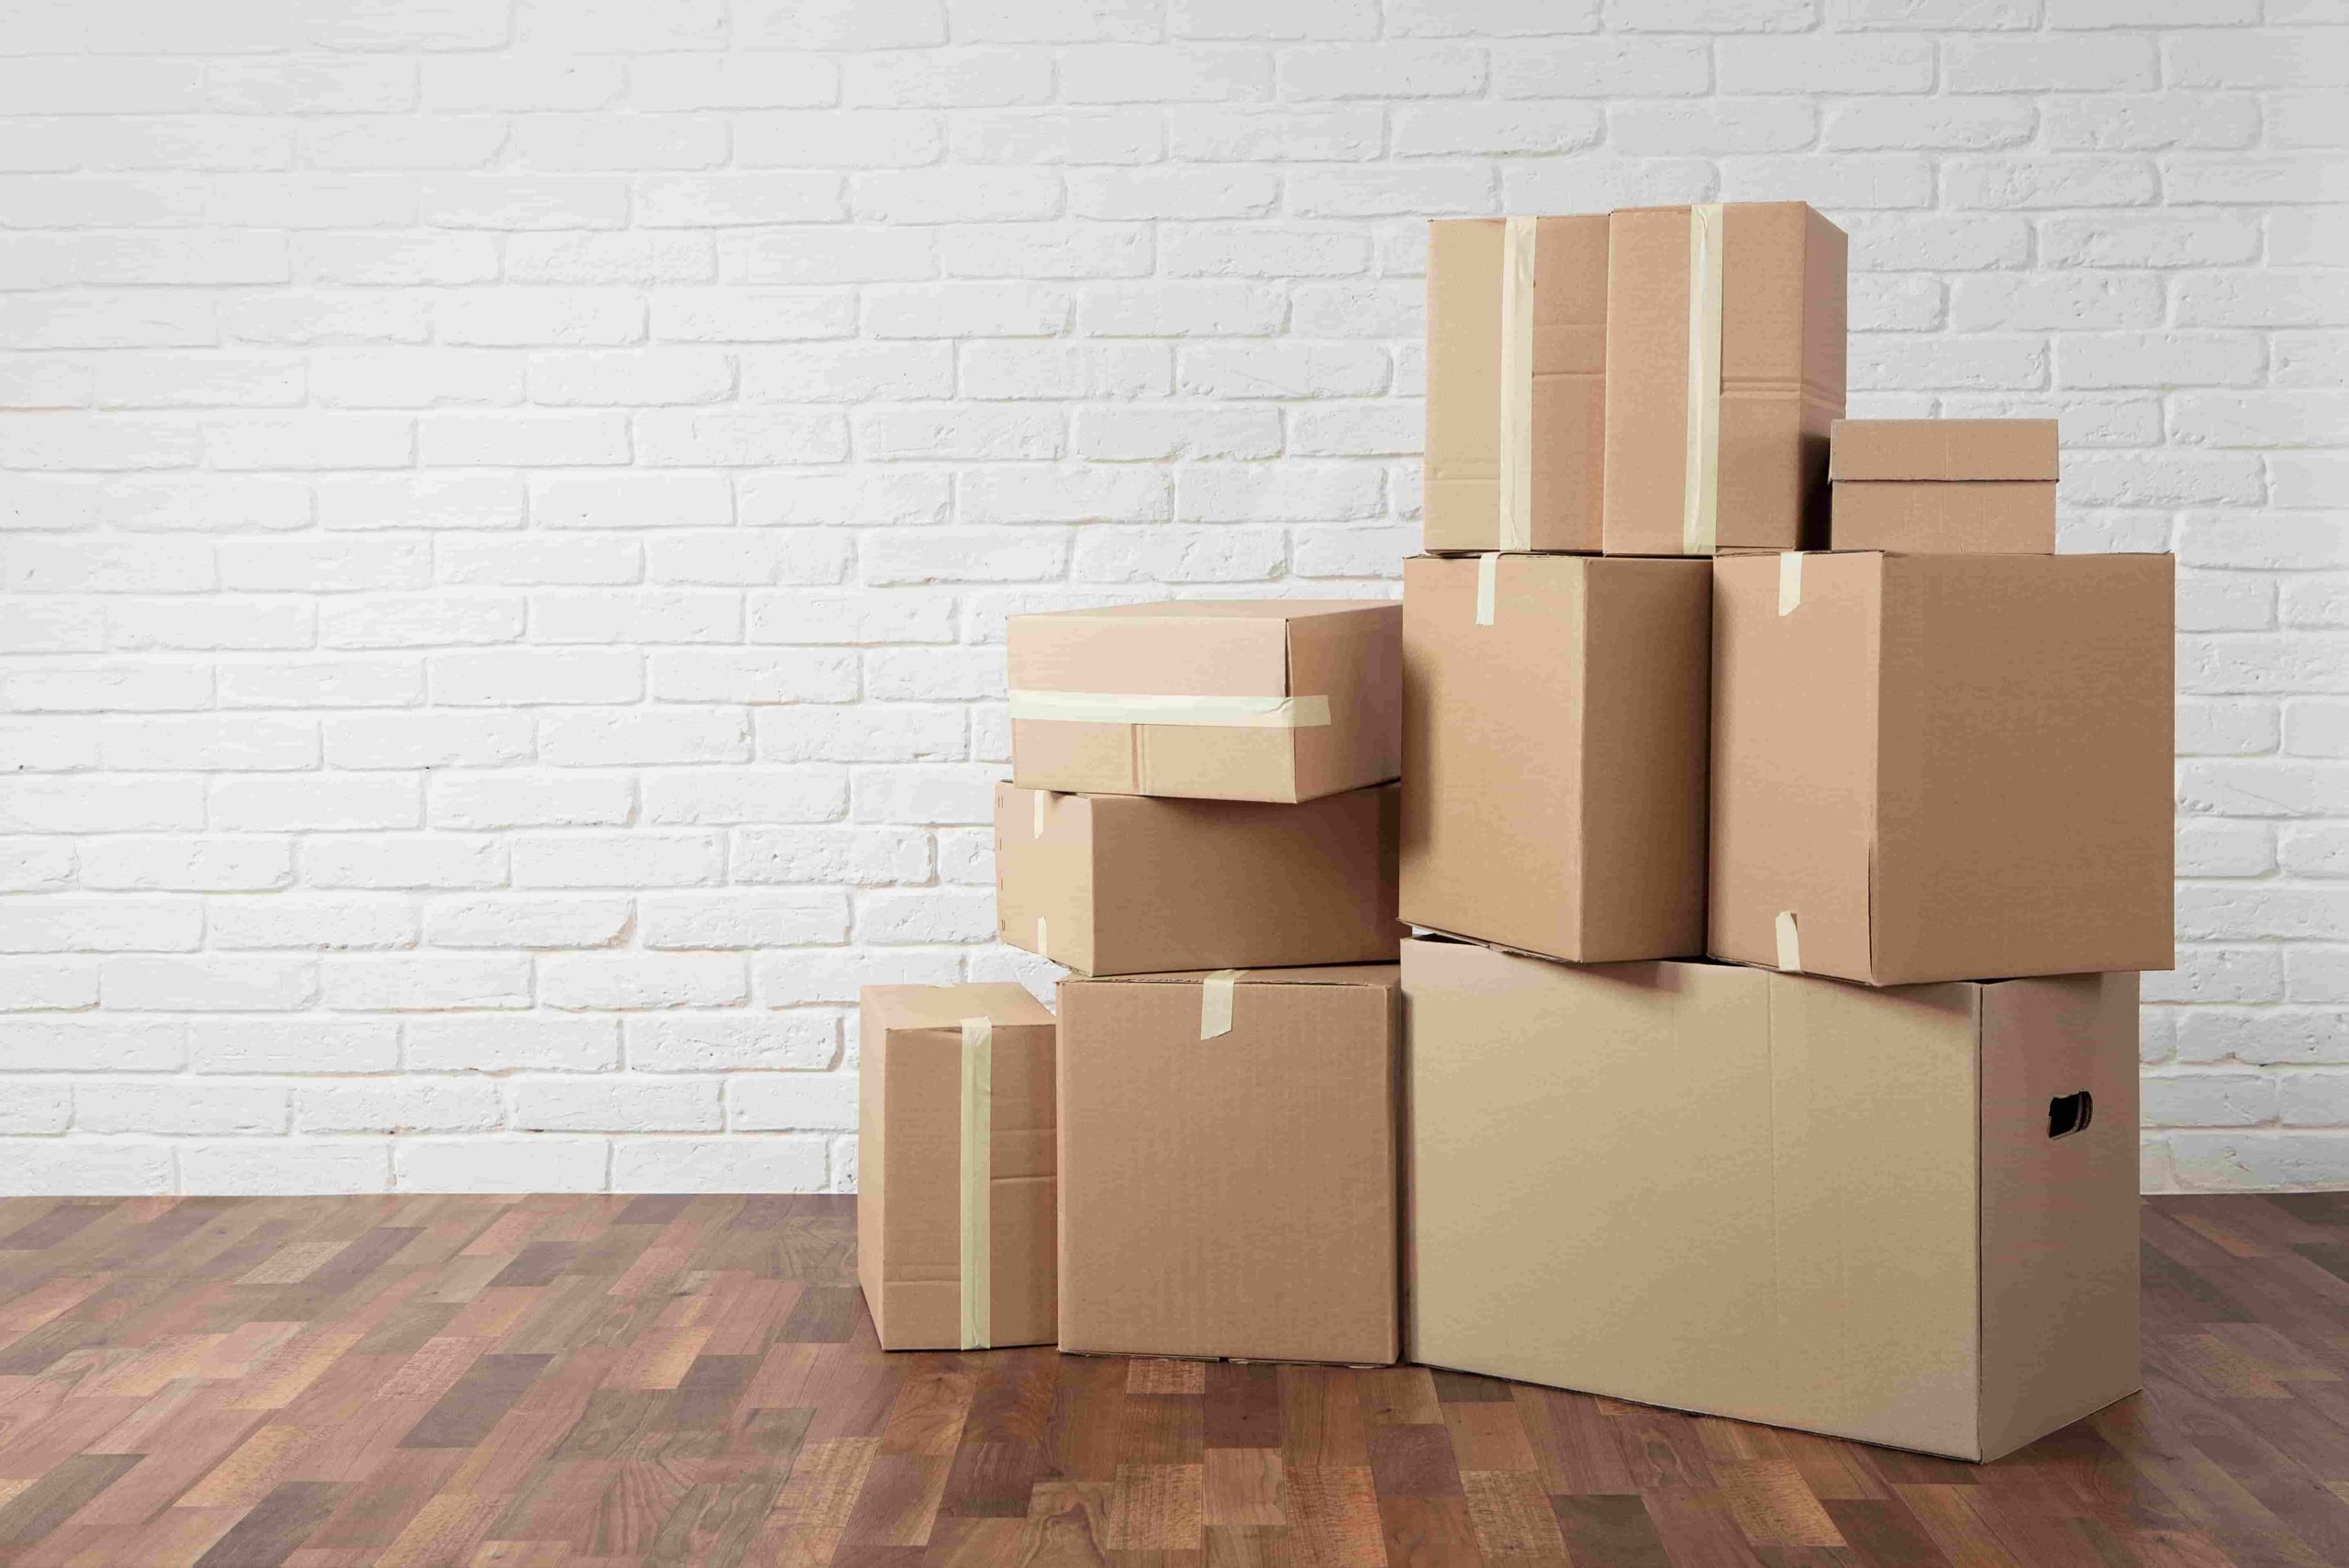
{"x":945,"y":1007}
{"x":1943,"y":448}
{"x":1158,"y":649}
{"x":1385,"y":974}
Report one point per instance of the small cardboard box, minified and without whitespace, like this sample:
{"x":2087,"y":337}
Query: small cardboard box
{"x":1940,"y":767}
{"x":1555,"y":737}
{"x":1724,"y":371}
{"x":957,"y":1183}
{"x":1901,"y":1216}
{"x":1228,"y":1165}
{"x":1129,"y":885}
{"x":1250,"y":699}
{"x":1517,"y":384}
{"x":1945,"y":487}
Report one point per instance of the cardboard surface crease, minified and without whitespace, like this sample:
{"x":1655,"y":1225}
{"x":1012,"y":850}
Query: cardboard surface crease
{"x":1775,"y":1197}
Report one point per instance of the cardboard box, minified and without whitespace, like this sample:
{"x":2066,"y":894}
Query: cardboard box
{"x":957,"y":1169}
{"x":1942,"y":767}
{"x":1129,"y":885}
{"x":1553,"y":780}
{"x":1901,"y":1216}
{"x":1517,"y":384}
{"x":1724,"y":371}
{"x":1945,"y":487}
{"x":1253,"y":699}
{"x":1228,"y":1165}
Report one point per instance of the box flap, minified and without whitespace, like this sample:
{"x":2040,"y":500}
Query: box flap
{"x":1385,"y":975}
{"x":945,"y":1007}
{"x":1943,"y":448}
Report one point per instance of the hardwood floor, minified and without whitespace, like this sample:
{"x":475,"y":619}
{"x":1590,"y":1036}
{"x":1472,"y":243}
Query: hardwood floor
{"x":415,"y":1381}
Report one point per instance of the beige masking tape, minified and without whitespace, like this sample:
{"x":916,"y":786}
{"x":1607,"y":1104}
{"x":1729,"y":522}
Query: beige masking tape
{"x":1789,"y":943}
{"x":1700,"y":488}
{"x":1516,"y":446}
{"x":1488,"y":579}
{"x":1789,"y":582}
{"x":1142,"y":708}
{"x":1043,"y":798}
{"x":1042,"y":950}
{"x":978,"y":1182}
{"x":1215,"y":1002}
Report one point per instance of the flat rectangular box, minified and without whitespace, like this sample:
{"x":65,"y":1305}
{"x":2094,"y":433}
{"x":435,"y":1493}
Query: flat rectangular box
{"x":1945,"y":487}
{"x":1517,"y":384}
{"x":958,"y":1166}
{"x":1555,"y":734}
{"x":1725,"y":367}
{"x":1228,"y":1165}
{"x":1245,"y":699}
{"x":1941,"y":767}
{"x":1901,"y":1216}
{"x":1129,"y":885}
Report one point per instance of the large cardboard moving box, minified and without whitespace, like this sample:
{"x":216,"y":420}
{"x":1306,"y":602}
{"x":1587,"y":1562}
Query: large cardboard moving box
{"x":956,"y":1169}
{"x":1945,"y":487}
{"x":1228,"y":1165}
{"x":1904,"y":1217}
{"x":1253,"y":699}
{"x":1555,"y":735}
{"x":1942,"y":767}
{"x":1725,"y":367}
{"x":1128,"y":885}
{"x":1517,"y":390}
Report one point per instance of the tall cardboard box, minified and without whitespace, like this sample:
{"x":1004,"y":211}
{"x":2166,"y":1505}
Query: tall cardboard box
{"x":1725,"y":368}
{"x":1245,"y":699}
{"x":1517,"y":388}
{"x":1903,"y":1217}
{"x":1555,"y":734}
{"x":957,"y":1166}
{"x":1944,"y":486}
{"x":1129,"y":885}
{"x":1228,"y":1165}
{"x":1938,"y":767}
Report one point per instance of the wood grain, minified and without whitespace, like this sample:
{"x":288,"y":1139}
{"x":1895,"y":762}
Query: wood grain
{"x":344,"y":1382}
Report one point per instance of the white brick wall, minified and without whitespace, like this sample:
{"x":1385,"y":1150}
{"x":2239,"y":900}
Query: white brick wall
{"x":510,"y":507}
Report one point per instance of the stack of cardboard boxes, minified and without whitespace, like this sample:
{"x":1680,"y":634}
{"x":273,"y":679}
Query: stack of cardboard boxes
{"x":1783,"y":866}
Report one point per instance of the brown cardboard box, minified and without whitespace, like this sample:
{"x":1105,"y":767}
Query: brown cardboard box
{"x":1227,"y":1176}
{"x":1774,"y":1197}
{"x":1251,"y":699}
{"x":1767,"y":389}
{"x":1945,"y":487}
{"x":1129,"y":885}
{"x":957,"y":1166}
{"x":1553,"y":786}
{"x":1938,"y":767}
{"x":1517,"y":390}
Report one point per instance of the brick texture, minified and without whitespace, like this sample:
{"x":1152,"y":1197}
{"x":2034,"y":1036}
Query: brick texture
{"x":507,"y":510}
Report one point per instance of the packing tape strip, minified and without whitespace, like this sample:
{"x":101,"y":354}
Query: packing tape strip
{"x":1043,"y":798}
{"x":1789,"y":943}
{"x":978,"y":1255}
{"x":1142,"y":708}
{"x":1488,"y":568}
{"x":1700,"y":488}
{"x":1789,"y":582}
{"x":1215,"y":1002}
{"x":1042,"y":950}
{"x":1516,"y":446}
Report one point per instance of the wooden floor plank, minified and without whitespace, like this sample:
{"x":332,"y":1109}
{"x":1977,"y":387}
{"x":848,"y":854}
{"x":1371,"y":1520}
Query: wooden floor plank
{"x":593,"y":1380}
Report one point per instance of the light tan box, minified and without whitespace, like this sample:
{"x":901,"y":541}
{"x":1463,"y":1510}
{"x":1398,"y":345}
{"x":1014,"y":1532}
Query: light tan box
{"x":1132,"y":884}
{"x":1555,"y":733}
{"x":929,"y":1083}
{"x":1246,"y":699}
{"x":1517,"y":384}
{"x":1941,"y":767}
{"x":1768,"y":387}
{"x":1228,"y":1165}
{"x":1902,"y":1217}
{"x":1945,"y":487}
